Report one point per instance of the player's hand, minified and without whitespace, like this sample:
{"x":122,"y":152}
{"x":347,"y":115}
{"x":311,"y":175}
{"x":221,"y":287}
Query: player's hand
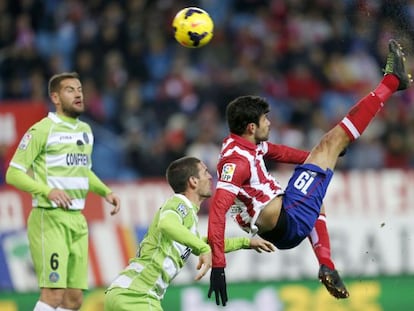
{"x":113,"y":199}
{"x":218,"y":285}
{"x":204,"y":264}
{"x":60,"y":198}
{"x":259,"y":245}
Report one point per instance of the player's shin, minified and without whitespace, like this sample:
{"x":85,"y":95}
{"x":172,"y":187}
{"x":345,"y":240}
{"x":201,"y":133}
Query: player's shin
{"x":319,"y":239}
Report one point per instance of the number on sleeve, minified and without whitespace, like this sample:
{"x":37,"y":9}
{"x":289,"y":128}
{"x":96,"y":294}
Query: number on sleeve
{"x":54,"y":262}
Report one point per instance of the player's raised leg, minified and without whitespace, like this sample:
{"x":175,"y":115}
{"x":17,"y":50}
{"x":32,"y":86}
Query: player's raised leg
{"x":326,"y":153}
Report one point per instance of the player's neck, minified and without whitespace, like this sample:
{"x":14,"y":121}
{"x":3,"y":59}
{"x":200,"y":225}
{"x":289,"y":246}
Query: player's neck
{"x":249,"y":138}
{"x":66,"y":118}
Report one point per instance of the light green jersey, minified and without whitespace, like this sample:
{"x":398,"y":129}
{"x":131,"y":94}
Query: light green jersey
{"x":170,"y":239}
{"x":57,"y":151}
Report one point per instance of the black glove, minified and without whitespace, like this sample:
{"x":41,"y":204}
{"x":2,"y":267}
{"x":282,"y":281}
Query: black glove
{"x":218,"y":285}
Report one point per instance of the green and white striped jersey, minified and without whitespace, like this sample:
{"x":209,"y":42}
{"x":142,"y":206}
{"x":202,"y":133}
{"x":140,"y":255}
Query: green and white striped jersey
{"x":57,"y":152}
{"x":171,"y":238}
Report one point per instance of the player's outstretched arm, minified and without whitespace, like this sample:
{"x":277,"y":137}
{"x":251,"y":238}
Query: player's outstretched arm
{"x":171,"y":225}
{"x":259,"y":245}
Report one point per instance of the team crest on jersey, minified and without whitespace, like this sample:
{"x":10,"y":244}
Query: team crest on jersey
{"x":54,"y":277}
{"x":182,"y":209}
{"x":25,"y":141}
{"x":85,"y":137}
{"x":227,"y":171}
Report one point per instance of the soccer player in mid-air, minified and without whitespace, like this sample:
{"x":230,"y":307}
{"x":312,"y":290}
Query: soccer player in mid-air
{"x":53,"y":163}
{"x":171,"y":238}
{"x":284,"y":217}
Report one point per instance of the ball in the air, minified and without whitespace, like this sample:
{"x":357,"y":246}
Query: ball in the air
{"x":193,"y":27}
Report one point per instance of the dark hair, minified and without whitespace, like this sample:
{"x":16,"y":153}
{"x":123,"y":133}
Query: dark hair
{"x":54,"y":81}
{"x":180,"y":171}
{"x":245,"y":110}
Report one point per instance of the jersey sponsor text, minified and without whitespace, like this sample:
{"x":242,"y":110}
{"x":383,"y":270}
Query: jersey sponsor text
{"x":77,"y":159}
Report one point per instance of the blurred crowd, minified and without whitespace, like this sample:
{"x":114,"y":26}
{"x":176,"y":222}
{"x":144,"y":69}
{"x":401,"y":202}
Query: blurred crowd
{"x":150,"y":100}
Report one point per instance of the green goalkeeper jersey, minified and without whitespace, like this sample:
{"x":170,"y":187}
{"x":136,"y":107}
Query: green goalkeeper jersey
{"x":56,"y":151}
{"x":170,"y":239}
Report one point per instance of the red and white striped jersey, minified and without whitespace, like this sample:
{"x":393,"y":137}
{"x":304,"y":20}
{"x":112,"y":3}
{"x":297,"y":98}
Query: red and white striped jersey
{"x":244,"y":181}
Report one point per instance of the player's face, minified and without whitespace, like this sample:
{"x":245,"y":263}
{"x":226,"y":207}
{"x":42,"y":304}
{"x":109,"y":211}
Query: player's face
{"x":69,"y":99}
{"x":263,"y":130}
{"x":204,"y":181}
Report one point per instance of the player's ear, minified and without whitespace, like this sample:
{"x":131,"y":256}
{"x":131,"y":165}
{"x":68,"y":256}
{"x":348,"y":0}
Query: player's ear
{"x":251,"y":127}
{"x":54,"y":97}
{"x":193,"y":181}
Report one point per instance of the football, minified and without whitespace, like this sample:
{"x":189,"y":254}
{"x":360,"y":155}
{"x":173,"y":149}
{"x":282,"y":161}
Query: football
{"x":193,"y":27}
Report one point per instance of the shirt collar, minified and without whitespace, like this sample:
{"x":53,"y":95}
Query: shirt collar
{"x":187,"y":201}
{"x":243,"y":141}
{"x":63,"y":119}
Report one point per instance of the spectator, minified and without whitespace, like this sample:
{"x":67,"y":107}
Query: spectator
{"x":114,"y":44}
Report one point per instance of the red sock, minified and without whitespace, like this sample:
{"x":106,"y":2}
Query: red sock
{"x":361,"y":114}
{"x":319,"y":239}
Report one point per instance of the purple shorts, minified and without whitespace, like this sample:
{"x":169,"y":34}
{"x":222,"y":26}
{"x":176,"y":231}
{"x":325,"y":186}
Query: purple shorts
{"x":302,"y":203}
